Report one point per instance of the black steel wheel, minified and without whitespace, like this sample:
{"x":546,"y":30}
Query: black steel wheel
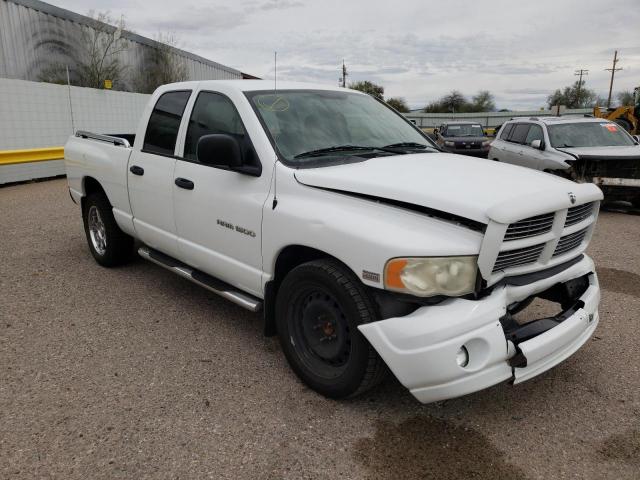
{"x":319,"y":307}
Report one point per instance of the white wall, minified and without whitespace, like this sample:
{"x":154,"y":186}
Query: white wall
{"x":36,"y":114}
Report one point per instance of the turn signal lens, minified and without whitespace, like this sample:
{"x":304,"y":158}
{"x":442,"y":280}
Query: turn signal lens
{"x":426,"y":277}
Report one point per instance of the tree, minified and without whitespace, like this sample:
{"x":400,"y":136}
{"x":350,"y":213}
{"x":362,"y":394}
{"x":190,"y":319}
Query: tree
{"x":574,"y":96}
{"x":454,"y":102}
{"x":161,"y":66}
{"x":398,"y":104}
{"x":101,"y":46}
{"x":626,"y":98}
{"x":368,"y":87}
{"x":483,"y":102}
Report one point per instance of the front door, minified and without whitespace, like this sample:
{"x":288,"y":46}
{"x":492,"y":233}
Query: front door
{"x":218,"y":212}
{"x":150,"y":176}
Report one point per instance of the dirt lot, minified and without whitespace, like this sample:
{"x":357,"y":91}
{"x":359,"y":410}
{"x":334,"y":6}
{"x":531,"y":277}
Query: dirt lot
{"x":136,"y":373}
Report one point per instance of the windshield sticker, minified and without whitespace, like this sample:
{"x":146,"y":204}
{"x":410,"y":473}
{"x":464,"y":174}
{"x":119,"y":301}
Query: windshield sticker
{"x":610,"y":126}
{"x":273,"y":103}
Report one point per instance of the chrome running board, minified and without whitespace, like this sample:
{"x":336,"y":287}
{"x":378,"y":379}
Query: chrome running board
{"x":202,"y":279}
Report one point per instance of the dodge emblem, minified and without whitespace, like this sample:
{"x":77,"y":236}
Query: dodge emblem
{"x":572,"y":197}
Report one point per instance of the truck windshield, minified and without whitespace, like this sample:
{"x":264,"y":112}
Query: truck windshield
{"x":588,"y":134}
{"x":320,"y":125}
{"x":467,"y":130}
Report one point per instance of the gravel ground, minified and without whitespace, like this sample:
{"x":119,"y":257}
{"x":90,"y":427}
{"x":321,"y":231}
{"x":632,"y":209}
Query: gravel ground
{"x":136,"y":373}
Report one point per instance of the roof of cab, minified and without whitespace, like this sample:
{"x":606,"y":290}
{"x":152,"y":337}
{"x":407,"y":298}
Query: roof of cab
{"x":256,"y":85}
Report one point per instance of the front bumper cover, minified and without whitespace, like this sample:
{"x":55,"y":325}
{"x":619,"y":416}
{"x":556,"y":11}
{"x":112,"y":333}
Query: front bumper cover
{"x":421,"y":348}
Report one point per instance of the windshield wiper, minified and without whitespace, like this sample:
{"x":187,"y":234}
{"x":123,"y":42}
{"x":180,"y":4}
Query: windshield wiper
{"x":339,"y":148}
{"x":407,"y":145}
{"x":566,"y":145}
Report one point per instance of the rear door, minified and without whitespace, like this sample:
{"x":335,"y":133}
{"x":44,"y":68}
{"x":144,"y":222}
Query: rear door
{"x":514,"y":150}
{"x":150,"y":176}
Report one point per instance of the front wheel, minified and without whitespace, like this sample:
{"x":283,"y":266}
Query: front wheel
{"x":109,"y":245}
{"x":319,"y":307}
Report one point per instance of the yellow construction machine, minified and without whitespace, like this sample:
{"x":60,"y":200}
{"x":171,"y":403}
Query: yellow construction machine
{"x":628,"y":117}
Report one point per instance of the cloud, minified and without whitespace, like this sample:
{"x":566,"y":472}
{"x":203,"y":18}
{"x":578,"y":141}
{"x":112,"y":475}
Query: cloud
{"x":415,"y":49}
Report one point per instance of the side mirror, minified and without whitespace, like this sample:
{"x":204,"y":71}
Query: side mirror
{"x":219,"y":150}
{"x":636,"y":138}
{"x":537,"y":144}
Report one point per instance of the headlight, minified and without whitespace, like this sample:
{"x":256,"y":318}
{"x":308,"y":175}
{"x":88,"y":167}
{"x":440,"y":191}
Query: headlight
{"x":486,"y":143}
{"x":449,"y":144}
{"x":429,"y":276}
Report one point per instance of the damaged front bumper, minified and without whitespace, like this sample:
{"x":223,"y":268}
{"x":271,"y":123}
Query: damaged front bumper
{"x":424,"y":348}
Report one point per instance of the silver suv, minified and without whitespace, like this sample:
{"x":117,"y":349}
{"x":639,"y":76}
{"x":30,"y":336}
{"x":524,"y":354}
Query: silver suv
{"x":582,"y":149}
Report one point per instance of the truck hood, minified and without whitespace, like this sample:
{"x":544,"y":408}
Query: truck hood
{"x":470,"y":188}
{"x":603,"y":152}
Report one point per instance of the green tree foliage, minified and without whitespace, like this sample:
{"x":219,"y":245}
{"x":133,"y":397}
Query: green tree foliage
{"x":574,"y":96}
{"x":625,"y":98}
{"x":368,"y":87}
{"x":483,"y":102}
{"x":398,"y":104}
{"x":456,"y":102}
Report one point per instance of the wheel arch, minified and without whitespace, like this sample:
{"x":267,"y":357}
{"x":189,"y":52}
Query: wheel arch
{"x":287,"y":259}
{"x":89,"y":186}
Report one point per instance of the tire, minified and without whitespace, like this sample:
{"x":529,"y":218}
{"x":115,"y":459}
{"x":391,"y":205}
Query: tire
{"x":109,"y":245}
{"x":318,"y":309}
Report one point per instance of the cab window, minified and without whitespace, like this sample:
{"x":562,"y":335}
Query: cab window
{"x":164,"y":123}
{"x":213,"y":113}
{"x":535,"y":133}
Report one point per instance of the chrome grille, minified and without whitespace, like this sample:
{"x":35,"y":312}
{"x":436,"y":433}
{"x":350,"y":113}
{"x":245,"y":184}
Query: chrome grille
{"x":530,"y":227}
{"x":519,"y":256}
{"x":578,"y":214}
{"x":569,"y":242}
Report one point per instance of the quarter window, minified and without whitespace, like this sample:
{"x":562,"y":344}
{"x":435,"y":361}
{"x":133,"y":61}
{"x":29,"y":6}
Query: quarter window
{"x":164,"y":123}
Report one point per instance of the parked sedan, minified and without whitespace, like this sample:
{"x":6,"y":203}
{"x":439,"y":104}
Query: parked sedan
{"x":467,"y":138}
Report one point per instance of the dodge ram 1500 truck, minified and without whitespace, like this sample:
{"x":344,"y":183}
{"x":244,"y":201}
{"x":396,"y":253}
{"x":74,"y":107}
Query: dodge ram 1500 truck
{"x":363,"y":244}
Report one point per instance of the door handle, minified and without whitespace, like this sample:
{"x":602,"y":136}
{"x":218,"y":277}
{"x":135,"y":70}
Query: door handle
{"x":184,"y":183}
{"x":136,"y":170}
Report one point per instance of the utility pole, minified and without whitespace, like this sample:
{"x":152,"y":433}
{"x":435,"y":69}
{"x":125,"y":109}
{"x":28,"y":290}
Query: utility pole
{"x":343,"y":80}
{"x":580,"y":72}
{"x":613,"y":71}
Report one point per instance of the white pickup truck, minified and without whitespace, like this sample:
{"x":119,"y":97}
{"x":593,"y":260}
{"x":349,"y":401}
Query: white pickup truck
{"x":364,"y":245}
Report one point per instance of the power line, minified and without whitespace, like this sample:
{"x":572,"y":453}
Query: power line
{"x":613,"y":71}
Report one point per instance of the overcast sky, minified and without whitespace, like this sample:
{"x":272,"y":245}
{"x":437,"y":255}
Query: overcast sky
{"x":417,"y":49}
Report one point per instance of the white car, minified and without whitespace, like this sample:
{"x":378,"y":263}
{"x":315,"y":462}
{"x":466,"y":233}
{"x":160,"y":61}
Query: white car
{"x":583,"y":149}
{"x":364,"y":246}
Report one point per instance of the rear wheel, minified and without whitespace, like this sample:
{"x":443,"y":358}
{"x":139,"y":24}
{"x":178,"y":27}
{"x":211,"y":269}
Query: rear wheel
{"x":319,"y":307}
{"x":109,"y":245}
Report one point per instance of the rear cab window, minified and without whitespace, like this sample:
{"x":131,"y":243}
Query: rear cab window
{"x":164,"y":123}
